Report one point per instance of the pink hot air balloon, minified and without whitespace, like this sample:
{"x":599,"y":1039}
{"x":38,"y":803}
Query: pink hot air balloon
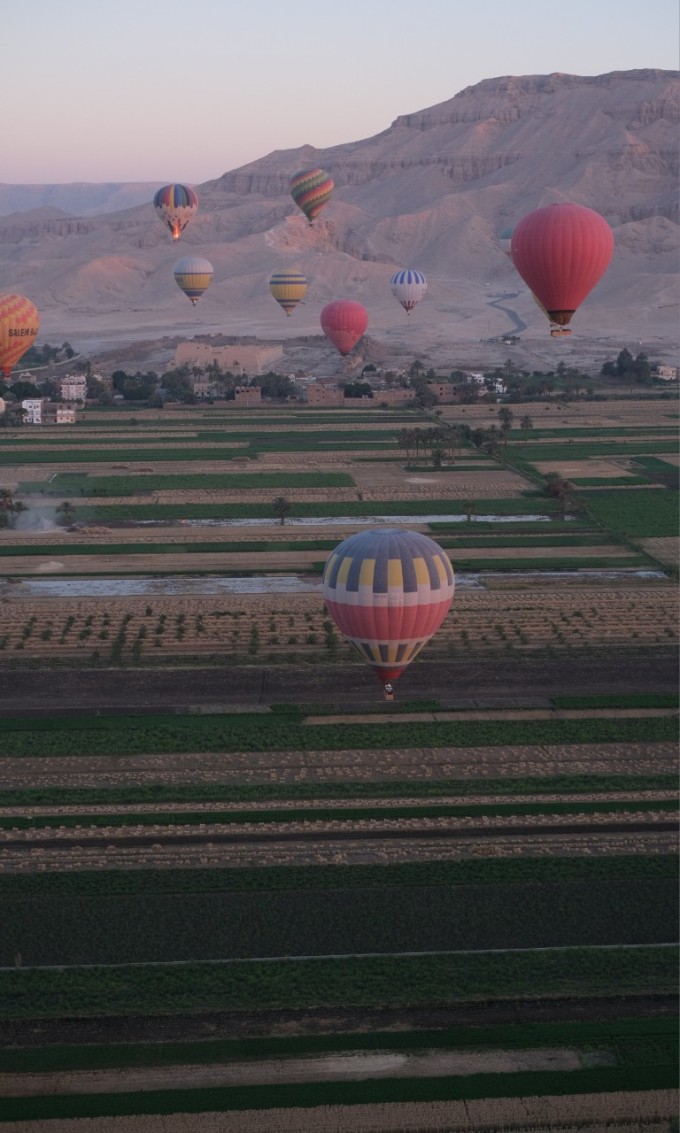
{"x":388,"y":591}
{"x":344,"y":322}
{"x":561,"y":252}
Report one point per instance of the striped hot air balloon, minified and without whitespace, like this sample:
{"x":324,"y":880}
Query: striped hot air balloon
{"x":388,"y":591}
{"x":175,"y":204}
{"x":193,"y":275}
{"x":311,"y":189}
{"x":408,"y":286}
{"x":19,"y":326}
{"x":288,"y":288}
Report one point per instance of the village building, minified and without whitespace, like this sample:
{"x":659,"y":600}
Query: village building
{"x":32,"y":410}
{"x":73,"y":387}
{"x":230,"y":359}
{"x":317,"y":393}
{"x":667,"y":373}
{"x":40,"y":411}
{"x":248,"y":395}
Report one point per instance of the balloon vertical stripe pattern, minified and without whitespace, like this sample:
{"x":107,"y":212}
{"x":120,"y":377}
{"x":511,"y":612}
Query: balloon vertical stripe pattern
{"x":388,"y":592}
{"x":19,"y":326}
{"x":175,"y":204}
{"x":311,"y":189}
{"x":408,"y":286}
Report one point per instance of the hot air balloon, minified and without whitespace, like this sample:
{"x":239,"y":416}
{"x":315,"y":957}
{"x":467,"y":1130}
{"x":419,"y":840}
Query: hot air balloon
{"x":344,"y":322}
{"x":19,"y":326}
{"x":561,"y":251}
{"x":311,"y":189}
{"x":388,"y":591}
{"x":193,"y":275}
{"x":408,"y":286}
{"x":175,"y":204}
{"x":288,"y":288}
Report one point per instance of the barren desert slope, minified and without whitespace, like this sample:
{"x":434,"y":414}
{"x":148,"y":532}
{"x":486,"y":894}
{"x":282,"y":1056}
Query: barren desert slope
{"x":433,"y":190}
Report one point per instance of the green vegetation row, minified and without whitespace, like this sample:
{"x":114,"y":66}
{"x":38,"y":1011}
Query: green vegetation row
{"x":641,"y":514}
{"x":301,"y":510}
{"x":660,"y":1074}
{"x":228,"y":924}
{"x":333,"y":814}
{"x":594,"y":433}
{"x":131,"y":485}
{"x":125,"y":736}
{"x":530,"y":454}
{"x":485,"y":871}
{"x":254,"y":546}
{"x":631,"y":1042}
{"x":359,"y":981}
{"x":267,"y":792}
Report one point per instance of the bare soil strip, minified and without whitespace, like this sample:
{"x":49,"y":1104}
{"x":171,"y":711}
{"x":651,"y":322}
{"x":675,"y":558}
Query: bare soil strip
{"x":651,"y":1111}
{"x":356,"y":1067}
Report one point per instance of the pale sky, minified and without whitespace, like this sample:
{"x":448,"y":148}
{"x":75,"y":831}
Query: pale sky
{"x":155,"y":90}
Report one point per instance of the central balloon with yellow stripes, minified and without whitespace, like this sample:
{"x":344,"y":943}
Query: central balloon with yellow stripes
{"x":388,"y":591}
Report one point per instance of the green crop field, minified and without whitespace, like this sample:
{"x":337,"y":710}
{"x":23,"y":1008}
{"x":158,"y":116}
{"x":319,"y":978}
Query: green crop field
{"x":36,"y":993}
{"x":69,"y":484}
{"x":57,"y":736}
{"x":264,"y":792}
{"x":228,"y":924}
{"x":640,"y":514}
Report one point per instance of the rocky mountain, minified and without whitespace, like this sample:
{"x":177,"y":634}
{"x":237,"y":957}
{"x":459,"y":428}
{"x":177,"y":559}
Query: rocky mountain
{"x":432,"y":191}
{"x":78,"y":198}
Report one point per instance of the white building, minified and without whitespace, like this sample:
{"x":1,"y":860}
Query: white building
{"x":74,"y":387}
{"x":32,"y":410}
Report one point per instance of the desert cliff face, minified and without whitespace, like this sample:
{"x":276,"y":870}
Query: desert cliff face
{"x":432,"y":191}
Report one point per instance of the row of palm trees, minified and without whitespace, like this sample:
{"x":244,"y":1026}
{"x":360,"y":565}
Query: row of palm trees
{"x":440,"y":442}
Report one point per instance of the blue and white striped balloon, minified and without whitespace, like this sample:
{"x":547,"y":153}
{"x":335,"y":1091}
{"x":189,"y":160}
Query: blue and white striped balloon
{"x":408,"y":286}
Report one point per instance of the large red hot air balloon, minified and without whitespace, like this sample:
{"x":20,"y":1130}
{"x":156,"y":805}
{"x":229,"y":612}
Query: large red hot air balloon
{"x":344,"y":322}
{"x":388,"y":591}
{"x":561,"y":252}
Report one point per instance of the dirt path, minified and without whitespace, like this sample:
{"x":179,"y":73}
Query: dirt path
{"x":488,"y":682}
{"x":355,"y":1066}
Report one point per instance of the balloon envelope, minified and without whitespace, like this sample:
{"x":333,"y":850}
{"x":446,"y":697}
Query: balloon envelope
{"x":288,"y":288}
{"x":561,"y":252}
{"x":193,"y":275}
{"x":408,"y":286}
{"x":175,"y":204}
{"x":388,"y":591}
{"x":19,"y":326}
{"x":311,"y":189}
{"x":344,"y":322}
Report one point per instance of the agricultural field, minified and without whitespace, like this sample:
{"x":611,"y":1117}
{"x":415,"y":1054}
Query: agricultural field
{"x":236,"y":885}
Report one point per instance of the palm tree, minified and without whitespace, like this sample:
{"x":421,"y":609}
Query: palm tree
{"x":282,"y":507}
{"x":526,"y":424}
{"x":492,"y":440}
{"x":66,"y":513}
{"x":505,"y":416}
